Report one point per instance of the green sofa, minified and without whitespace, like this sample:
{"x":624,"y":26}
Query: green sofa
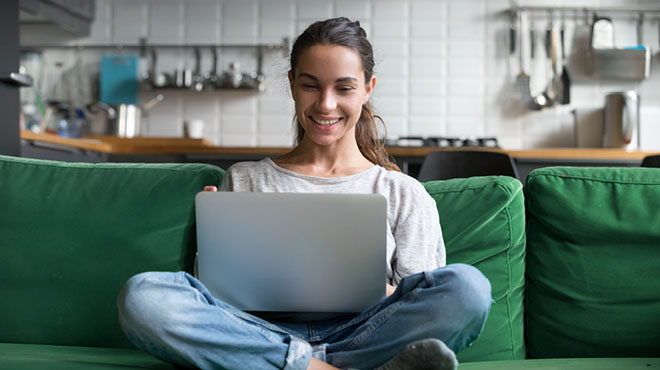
{"x":573,"y":260}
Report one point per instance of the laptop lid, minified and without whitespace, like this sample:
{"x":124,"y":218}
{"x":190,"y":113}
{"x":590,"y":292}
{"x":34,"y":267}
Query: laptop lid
{"x":293,"y":252}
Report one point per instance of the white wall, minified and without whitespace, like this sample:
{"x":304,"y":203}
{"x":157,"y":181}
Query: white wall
{"x":443,"y":66}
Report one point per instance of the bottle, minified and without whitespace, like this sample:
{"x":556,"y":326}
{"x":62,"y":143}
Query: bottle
{"x":235,"y":75}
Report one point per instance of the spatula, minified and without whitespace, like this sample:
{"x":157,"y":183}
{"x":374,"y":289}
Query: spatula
{"x":522,"y":80}
{"x":565,"y":78}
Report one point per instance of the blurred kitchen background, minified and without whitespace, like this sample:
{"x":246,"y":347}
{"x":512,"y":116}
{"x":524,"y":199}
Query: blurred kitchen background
{"x":445,"y":68}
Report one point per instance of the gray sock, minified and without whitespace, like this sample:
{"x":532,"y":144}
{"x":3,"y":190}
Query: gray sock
{"x":425,"y":354}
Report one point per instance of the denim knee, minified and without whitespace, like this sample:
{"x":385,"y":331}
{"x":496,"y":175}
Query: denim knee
{"x":141,"y":301}
{"x":470,"y":289}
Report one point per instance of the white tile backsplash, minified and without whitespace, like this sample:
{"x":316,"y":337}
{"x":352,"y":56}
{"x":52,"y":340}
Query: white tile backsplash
{"x":391,"y":10}
{"x":465,"y":107}
{"x":272,"y":32}
{"x":427,"y":49}
{"x":129,"y":22}
{"x":274,"y":125}
{"x":269,"y":106}
{"x":467,"y":49}
{"x":395,"y":67}
{"x":278,"y":10}
{"x":425,"y":106}
{"x":425,"y":29}
{"x":396,"y":125}
{"x":465,"y":126}
{"x":238,"y":31}
{"x":244,"y":10}
{"x":468,"y":10}
{"x":388,"y":86}
{"x":466,"y":67}
{"x":427,"y":88}
{"x":236,"y":103}
{"x":467,"y":88}
{"x":353,"y":9}
{"x":238,"y":125}
{"x":165,"y":24}
{"x":101,"y":30}
{"x":443,"y":66}
{"x":429,"y":10}
{"x":389,"y":106}
{"x":428,"y":67}
{"x":391,"y":48}
{"x":202,"y":25}
{"x":314,"y":9}
{"x":427,"y":126}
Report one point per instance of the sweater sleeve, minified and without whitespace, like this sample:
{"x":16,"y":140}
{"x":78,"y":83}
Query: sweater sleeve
{"x":418,"y":235}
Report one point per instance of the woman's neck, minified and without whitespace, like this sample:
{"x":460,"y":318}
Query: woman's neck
{"x":324,"y":161}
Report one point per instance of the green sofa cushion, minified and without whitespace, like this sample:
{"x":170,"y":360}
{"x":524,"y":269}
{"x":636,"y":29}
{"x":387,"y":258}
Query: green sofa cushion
{"x":593,"y":256}
{"x":72,"y":234}
{"x":483,"y":224}
{"x":566,"y":364}
{"x":47,"y":357}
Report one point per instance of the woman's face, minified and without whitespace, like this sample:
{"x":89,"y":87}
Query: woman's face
{"x":329,"y":90}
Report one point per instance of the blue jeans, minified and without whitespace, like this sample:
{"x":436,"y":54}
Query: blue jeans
{"x":173,"y":317}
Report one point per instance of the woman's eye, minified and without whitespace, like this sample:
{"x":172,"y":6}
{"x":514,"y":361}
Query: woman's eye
{"x":309,"y":86}
{"x":345,"y":88}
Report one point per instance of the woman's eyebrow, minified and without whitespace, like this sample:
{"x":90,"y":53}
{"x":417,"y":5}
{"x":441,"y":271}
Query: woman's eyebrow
{"x":347,"y":79}
{"x":311,"y":77}
{"x":339,"y":80}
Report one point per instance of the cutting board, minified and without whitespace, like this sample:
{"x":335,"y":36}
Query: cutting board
{"x":119,"y":79}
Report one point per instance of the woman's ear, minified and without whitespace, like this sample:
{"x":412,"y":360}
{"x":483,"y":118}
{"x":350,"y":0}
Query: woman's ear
{"x":368,"y":88}
{"x":290,"y":75}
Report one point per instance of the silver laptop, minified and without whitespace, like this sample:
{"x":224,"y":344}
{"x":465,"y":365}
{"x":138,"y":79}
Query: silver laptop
{"x":293,"y":252}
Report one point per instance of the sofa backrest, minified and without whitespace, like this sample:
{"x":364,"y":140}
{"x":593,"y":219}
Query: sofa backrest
{"x":71,"y":234}
{"x":593,"y":256}
{"x":483,"y":224}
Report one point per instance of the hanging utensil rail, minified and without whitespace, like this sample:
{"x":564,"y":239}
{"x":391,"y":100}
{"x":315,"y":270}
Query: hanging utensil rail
{"x":143,"y":48}
{"x":650,"y":12}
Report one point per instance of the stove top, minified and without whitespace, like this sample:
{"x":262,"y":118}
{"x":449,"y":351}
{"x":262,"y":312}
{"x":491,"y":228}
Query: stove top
{"x":444,"y":142}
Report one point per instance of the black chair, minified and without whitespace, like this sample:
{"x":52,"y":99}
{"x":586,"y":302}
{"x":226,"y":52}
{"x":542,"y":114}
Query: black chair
{"x":450,"y":164}
{"x":651,"y":161}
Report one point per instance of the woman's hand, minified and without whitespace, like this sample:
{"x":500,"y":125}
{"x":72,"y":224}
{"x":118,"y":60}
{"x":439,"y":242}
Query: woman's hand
{"x":211,"y":188}
{"x":389,"y":290}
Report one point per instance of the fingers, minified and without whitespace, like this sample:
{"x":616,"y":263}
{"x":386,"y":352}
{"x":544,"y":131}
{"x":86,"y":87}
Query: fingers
{"x":211,"y":188}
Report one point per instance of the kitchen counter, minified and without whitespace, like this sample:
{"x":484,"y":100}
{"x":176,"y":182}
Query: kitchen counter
{"x":147,"y":145}
{"x":147,"y":149}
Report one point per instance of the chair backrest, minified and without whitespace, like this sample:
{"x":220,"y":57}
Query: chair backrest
{"x":450,"y":164}
{"x":651,"y":161}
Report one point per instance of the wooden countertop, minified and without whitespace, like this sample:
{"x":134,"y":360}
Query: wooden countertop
{"x":148,"y":145}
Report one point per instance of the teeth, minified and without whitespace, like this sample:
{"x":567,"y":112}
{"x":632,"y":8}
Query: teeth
{"x":326,"y":122}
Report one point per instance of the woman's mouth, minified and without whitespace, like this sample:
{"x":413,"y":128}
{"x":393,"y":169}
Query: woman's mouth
{"x":325,"y":123}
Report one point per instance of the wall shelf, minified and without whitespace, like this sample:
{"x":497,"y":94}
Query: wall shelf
{"x":568,"y":11}
{"x":144,"y":48}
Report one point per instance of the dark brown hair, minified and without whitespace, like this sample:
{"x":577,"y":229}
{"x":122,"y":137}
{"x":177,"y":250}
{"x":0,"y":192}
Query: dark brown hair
{"x":343,"y":32}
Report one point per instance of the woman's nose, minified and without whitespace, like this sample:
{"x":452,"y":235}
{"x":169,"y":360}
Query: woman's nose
{"x":327,"y":101}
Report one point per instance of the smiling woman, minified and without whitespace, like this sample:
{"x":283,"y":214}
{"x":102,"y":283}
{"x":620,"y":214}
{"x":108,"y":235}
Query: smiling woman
{"x":330,"y":94}
{"x":334,"y":60}
{"x":428,"y":311}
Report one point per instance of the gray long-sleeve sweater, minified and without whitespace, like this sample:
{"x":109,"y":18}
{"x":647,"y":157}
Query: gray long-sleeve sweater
{"x":414,"y":237}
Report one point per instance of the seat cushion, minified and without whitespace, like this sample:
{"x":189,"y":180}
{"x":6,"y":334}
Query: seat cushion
{"x":483,"y":224}
{"x":45,"y":357}
{"x":566,"y":364}
{"x":593,"y":256}
{"x":72,"y":234}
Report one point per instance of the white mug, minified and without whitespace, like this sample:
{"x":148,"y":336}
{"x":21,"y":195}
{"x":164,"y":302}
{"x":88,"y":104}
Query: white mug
{"x":195,"y":128}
